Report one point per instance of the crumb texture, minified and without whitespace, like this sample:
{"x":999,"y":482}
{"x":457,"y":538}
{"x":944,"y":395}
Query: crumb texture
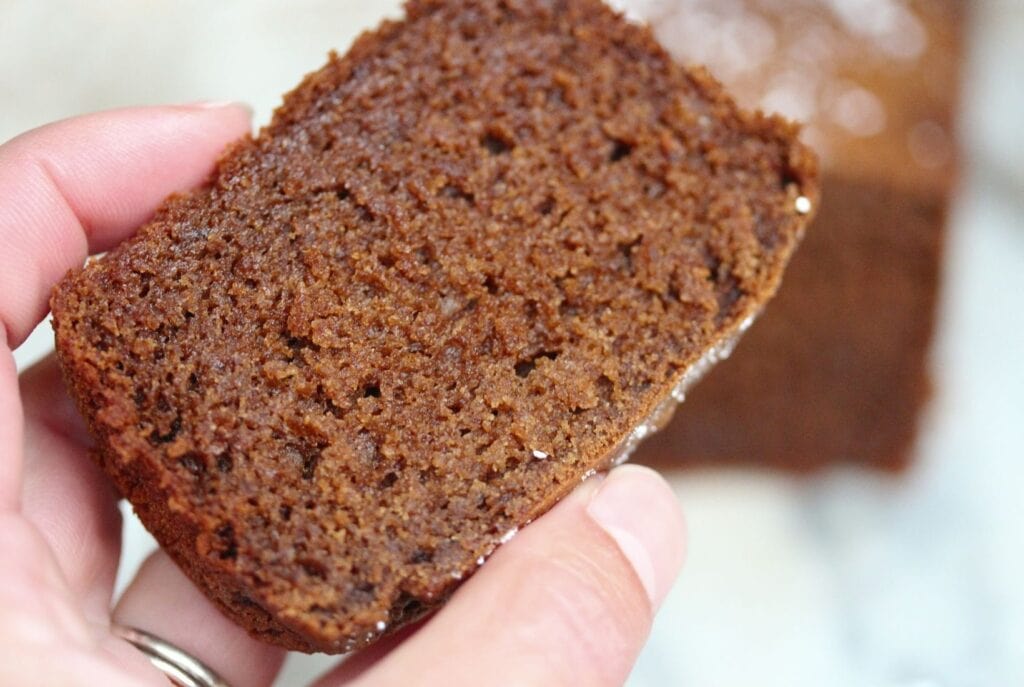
{"x":459,"y":266}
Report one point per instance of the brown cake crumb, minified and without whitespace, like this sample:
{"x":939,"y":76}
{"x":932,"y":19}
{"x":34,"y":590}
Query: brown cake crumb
{"x":448,"y":280}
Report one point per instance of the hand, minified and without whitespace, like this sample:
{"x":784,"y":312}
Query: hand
{"x":567,"y":602}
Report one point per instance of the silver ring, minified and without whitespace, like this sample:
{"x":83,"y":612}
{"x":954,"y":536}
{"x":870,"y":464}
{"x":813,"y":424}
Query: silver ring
{"x":181,"y":668}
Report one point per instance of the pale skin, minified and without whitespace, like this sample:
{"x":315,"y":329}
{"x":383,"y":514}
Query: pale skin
{"x":569,"y":601}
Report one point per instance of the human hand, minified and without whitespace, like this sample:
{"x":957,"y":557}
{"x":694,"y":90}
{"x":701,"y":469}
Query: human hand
{"x":567,"y":602}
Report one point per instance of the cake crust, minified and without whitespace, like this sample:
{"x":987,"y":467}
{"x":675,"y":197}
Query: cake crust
{"x":457,"y":270}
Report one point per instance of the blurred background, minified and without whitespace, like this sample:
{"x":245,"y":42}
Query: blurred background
{"x":823,"y":570}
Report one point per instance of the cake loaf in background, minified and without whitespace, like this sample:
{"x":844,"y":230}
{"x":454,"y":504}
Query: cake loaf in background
{"x":837,"y":370}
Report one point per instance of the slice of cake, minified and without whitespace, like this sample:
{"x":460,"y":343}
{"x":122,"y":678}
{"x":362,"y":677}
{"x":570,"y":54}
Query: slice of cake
{"x":838,"y":370}
{"x":465,"y":266}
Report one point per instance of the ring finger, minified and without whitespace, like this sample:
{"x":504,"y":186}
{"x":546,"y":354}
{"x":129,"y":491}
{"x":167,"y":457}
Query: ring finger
{"x":162,"y":601}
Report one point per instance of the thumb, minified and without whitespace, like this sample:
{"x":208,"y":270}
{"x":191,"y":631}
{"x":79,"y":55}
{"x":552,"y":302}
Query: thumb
{"x":569,"y":601}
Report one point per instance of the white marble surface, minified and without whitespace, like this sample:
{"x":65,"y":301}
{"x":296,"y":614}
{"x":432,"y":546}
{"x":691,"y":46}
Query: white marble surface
{"x":845,"y":579}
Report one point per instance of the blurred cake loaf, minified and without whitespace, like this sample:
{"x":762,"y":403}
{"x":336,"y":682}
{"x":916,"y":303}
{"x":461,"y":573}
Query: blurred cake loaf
{"x":837,"y":370}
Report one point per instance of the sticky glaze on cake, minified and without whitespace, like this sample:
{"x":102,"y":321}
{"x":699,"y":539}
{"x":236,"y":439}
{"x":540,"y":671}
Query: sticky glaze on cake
{"x":459,"y":268}
{"x":838,"y":369}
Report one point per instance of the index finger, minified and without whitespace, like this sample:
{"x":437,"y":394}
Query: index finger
{"x":81,"y":186}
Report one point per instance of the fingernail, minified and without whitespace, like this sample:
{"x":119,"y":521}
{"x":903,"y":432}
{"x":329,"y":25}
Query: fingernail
{"x":218,"y":105}
{"x":640,"y":513}
{"x":211,"y":104}
{"x":586,"y":490}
